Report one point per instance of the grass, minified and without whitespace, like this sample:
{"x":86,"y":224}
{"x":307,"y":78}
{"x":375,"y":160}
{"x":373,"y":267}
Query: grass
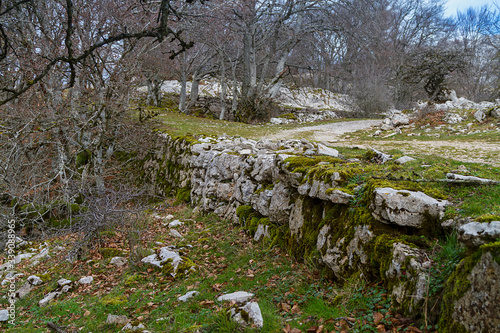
{"x":290,"y":294}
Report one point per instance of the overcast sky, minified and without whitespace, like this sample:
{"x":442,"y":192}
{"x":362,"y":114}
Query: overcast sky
{"x":462,"y":5}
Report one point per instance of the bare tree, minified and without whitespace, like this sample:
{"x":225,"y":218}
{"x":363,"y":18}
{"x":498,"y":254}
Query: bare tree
{"x":67,"y":73}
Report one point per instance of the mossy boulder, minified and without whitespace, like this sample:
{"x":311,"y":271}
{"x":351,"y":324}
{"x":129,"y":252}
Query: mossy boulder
{"x":472,"y":293}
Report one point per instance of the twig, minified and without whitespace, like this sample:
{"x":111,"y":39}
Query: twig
{"x":56,"y":328}
{"x":451,"y":181}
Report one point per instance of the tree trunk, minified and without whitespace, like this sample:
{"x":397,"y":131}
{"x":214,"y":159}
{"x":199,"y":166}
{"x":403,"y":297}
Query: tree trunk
{"x":223,"y":85}
{"x":182,"y":97}
{"x":195,"y":87}
{"x":234,"y":104}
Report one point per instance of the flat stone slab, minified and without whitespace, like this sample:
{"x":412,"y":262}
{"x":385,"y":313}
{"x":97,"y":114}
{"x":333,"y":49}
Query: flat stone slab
{"x":238,"y":297}
{"x":187,"y":296}
{"x":479,"y":233}
{"x":405,"y":208}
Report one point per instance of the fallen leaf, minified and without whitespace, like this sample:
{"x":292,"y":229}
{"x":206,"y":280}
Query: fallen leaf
{"x":381,"y":328}
{"x":295,"y":309}
{"x":377,"y":317}
{"x":87,"y":313}
{"x":312,"y":329}
{"x":344,"y":325}
{"x":285,"y":307}
{"x":414,"y":329}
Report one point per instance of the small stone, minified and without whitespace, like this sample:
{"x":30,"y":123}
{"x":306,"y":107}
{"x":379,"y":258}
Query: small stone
{"x":245,"y":152}
{"x":261,"y":233}
{"x":116,"y":320}
{"x":35,"y":280}
{"x":175,"y":223}
{"x":404,"y":159}
{"x":187,"y":296}
{"x":118,"y":261}
{"x":48,"y":298}
{"x":24,"y":290}
{"x":169,"y":217}
{"x":86,"y":280}
{"x":175,"y":233}
{"x":4,"y":315}
{"x":254,"y":313}
{"x":63,"y":282}
{"x":238,"y":297}
{"x":324,"y":150}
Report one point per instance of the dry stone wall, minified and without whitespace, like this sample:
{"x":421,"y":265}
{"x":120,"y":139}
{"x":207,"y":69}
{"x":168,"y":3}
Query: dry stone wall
{"x":301,"y":196}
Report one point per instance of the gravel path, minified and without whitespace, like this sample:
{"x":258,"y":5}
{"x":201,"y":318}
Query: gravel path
{"x":328,"y":132}
{"x":471,"y":151}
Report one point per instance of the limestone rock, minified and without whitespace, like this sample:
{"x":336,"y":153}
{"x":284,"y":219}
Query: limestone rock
{"x":175,"y":233}
{"x":296,"y":218}
{"x":399,"y":119}
{"x":118,"y":261}
{"x":386,"y":127}
{"x":164,"y":255}
{"x":479,"y":233}
{"x":252,"y":309}
{"x":24,"y":290}
{"x":381,"y":157}
{"x":86,"y":280}
{"x":339,"y":197}
{"x":238,"y":297}
{"x":168,"y":257}
{"x":116,"y":320}
{"x":324,"y":150}
{"x":404,"y":159}
{"x":134,"y":328}
{"x":279,"y":207}
{"x":63,"y":282}
{"x":187,"y":296}
{"x":470,"y":178}
{"x":41,"y":255}
{"x":408,"y":269}
{"x":34,"y":280}
{"x":261,"y":233}
{"x":406,"y":208}
{"x":495,"y":112}
{"x":49,"y":297}
{"x":262,"y":201}
{"x":4,"y":315}
{"x":479,"y":115}
{"x":477,"y":309}
{"x":175,"y":223}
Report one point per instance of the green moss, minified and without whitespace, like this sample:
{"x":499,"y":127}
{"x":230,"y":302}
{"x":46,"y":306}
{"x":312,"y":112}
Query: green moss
{"x":184,"y":194}
{"x":458,"y":284}
{"x":487,"y":218}
{"x":83,"y":158}
{"x":243,"y":212}
{"x":289,"y":116}
{"x":108,"y":252}
{"x":183,"y":269}
{"x":45,"y":277}
{"x":114,"y":300}
{"x":132,"y":279}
